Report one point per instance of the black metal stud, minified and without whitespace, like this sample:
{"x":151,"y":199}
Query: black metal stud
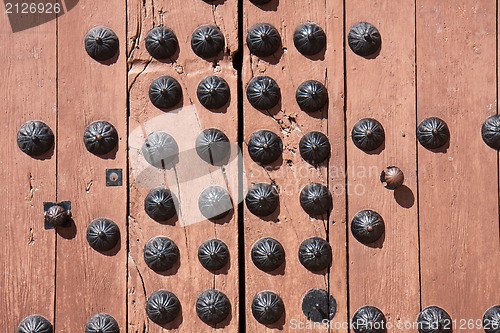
{"x":160,"y":254}
{"x":165,"y":92}
{"x":314,"y":147}
{"x":262,"y":199}
{"x":267,"y":307}
{"x":491,"y":320}
{"x":100,"y":137}
{"x":318,"y":306}
{"x":369,"y":319}
{"x":207,"y":41}
{"x":160,"y":149}
{"x":315,"y":254}
{"x":213,"y":92}
{"x":367,"y":226}
{"x":315,"y":199}
{"x":309,"y":38}
{"x":263,"y":93}
{"x":311,"y":96}
{"x":35,"y":324}
{"x":434,"y":320}
{"x":364,"y":39}
{"x":159,"y":204}
{"x":263,"y":40}
{"x":35,"y":138}
{"x":161,"y":43}
{"x":392,"y":177}
{"x":102,"y":323}
{"x":213,"y":254}
{"x":265,"y":147}
{"x":103,"y":234}
{"x":433,"y":133}
{"x":212,"y":306}
{"x":215,"y":202}
{"x":368,"y":134}
{"x":490,"y":131}
{"x":101,"y":43}
{"x":212,"y":145}
{"x":268,"y":254}
{"x":58,"y":214}
{"x":162,"y":307}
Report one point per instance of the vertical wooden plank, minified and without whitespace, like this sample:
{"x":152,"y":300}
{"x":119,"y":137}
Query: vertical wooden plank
{"x":89,"y":282}
{"x":458,"y":187}
{"x":29,"y":93}
{"x":188,"y":176}
{"x":383,"y":87}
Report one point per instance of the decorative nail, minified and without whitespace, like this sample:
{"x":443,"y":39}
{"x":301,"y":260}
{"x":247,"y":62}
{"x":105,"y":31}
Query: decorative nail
{"x":263,"y":93}
{"x":35,"y":138}
{"x":314,"y":147}
{"x":262,"y":199}
{"x":101,"y":43}
{"x":268,"y":254}
{"x":265,"y":147}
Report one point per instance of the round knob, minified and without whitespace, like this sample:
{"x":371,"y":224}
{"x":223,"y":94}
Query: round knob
{"x":213,"y":146}
{"x":368,"y":134}
{"x":318,"y":306}
{"x":35,"y":324}
{"x":161,"y":254}
{"x":212,"y":306}
{"x":207,"y":41}
{"x":161,"y":43}
{"x":215,"y":202}
{"x":434,"y":320}
{"x":162,"y":307}
{"x":103,"y":234}
{"x":263,"y":93}
{"x":309,"y":38}
{"x":262,"y":199}
{"x":267,"y":307}
{"x":490,"y":131}
{"x":265,"y":147}
{"x":159,"y":204}
{"x":364,"y":39}
{"x":369,"y":319}
{"x":213,"y":254}
{"x":268,"y":254}
{"x":263,"y":40}
{"x":102,"y":323}
{"x":315,"y":254}
{"x":101,"y":43}
{"x":315,"y":199}
{"x":433,"y":133}
{"x":35,"y":138}
{"x":56,"y":215}
{"x":491,"y":320}
{"x":314,"y":147}
{"x":100,"y":137}
{"x":367,"y":226}
{"x":311,"y":96}
{"x":160,"y":149}
{"x":213,"y":92}
{"x":393,"y":177}
{"x":165,"y":92}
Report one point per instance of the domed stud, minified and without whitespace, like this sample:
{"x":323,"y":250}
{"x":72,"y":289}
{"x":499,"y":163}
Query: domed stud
{"x":35,"y":324}
{"x":265,"y":147}
{"x":368,"y":134}
{"x":262,"y":199}
{"x":367,"y":226}
{"x":268,"y":254}
{"x":213,"y":254}
{"x":309,"y":38}
{"x":102,"y":323}
{"x":160,"y":149}
{"x":314,"y":147}
{"x":162,"y":307}
{"x":260,"y":2}
{"x":315,"y":199}
{"x":212,"y":145}
{"x":491,"y":320}
{"x":101,"y":43}
{"x":263,"y":40}
{"x":392,"y":177}
{"x":213,"y":92}
{"x":57,"y":214}
{"x":103,"y":234}
{"x":267,"y":307}
{"x":433,"y":133}
{"x":215,"y":202}
{"x":161,"y":43}
{"x":369,"y":319}
{"x":165,"y":92}
{"x":315,"y":254}
{"x":364,"y":39}
{"x":318,"y":306}
{"x":100,"y":137}
{"x":212,"y":306}
{"x":207,"y":41}
{"x":311,"y":96}
{"x":35,"y":138}
{"x":263,"y":93}
{"x":434,"y":320}
{"x":160,"y":254}
{"x":159,"y":204}
{"x":490,"y":131}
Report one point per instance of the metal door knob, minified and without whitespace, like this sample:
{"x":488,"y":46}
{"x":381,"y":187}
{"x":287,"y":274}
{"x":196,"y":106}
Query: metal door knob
{"x":392,"y":177}
{"x":57,"y":214}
